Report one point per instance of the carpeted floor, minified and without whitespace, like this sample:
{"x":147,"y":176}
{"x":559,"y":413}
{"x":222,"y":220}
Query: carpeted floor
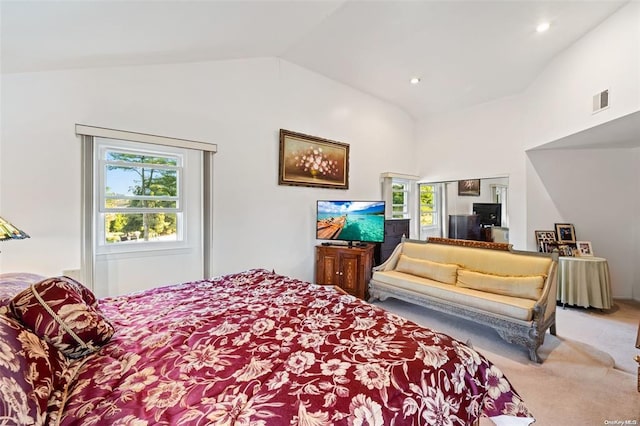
{"x":588,"y":375}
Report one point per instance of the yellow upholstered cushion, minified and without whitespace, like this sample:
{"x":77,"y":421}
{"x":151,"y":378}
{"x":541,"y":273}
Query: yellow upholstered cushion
{"x":494,"y":262}
{"x":443,"y":272}
{"x":528,"y":287}
{"x":512,"y":307}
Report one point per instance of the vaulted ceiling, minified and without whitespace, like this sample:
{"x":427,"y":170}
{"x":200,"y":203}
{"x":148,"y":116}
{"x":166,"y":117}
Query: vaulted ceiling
{"x":464,"y":52}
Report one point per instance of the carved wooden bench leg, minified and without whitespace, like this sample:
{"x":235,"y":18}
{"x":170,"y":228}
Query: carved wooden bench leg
{"x":533,"y":355}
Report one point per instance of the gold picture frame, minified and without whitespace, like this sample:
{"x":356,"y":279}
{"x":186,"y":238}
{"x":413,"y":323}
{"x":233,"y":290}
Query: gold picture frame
{"x":469,"y":187}
{"x":312,"y":161}
{"x":565,"y":233}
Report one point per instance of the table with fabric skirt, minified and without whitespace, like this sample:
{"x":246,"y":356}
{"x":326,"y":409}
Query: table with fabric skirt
{"x":584,"y":281}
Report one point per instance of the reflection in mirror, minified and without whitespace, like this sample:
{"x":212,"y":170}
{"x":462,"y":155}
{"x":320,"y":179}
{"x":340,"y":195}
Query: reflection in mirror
{"x":473,"y":209}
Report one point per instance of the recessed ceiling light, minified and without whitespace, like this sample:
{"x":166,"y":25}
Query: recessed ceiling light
{"x":542,"y":27}
{"x":415,"y":80}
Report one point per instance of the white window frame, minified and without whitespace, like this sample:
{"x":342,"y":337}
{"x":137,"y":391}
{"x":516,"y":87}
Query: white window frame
{"x":437,"y":207}
{"x":88,"y":135}
{"x":102,"y":247}
{"x":438,"y":228}
{"x":387,"y":180}
{"x":406,"y":191}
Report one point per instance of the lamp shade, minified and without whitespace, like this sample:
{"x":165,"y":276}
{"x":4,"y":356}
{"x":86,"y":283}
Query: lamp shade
{"x":10,"y":232}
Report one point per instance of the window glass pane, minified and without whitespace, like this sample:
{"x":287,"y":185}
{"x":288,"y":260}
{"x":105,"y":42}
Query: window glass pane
{"x":428,"y":211}
{"x":399,"y":199}
{"x":426,"y":216}
{"x":427,"y":195}
{"x":426,"y":219}
{"x":140,"y":195}
{"x":140,"y":227}
{"x":132,"y":181}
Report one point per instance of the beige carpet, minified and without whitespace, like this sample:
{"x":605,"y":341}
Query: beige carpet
{"x":588,"y":373}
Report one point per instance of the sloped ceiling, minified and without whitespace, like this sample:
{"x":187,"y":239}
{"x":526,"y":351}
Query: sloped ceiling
{"x":465,"y":52}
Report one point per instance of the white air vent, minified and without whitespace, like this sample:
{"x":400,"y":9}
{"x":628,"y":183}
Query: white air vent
{"x":601,"y":101}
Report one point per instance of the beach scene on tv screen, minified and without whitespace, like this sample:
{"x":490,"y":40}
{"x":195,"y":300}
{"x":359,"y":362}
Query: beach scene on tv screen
{"x":351,"y":220}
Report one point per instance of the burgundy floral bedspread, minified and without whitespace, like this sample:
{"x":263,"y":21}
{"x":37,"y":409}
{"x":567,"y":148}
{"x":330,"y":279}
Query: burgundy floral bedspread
{"x":257,"y":348}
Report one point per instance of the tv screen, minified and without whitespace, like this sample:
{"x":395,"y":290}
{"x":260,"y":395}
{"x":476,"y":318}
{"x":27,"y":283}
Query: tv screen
{"x":350,"y":221}
{"x":490,"y":213}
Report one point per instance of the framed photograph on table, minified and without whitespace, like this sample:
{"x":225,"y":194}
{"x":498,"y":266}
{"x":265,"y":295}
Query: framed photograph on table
{"x":566,"y":233}
{"x":583,"y":248}
{"x":545,"y":240}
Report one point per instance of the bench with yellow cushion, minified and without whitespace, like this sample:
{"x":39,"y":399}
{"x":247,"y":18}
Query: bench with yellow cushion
{"x":511,"y":291}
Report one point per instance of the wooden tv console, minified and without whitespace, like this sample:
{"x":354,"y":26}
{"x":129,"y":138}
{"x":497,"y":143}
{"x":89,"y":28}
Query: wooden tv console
{"x":348,"y":267}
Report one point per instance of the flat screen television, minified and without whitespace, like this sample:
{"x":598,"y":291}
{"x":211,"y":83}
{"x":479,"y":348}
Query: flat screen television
{"x":350,"y":221}
{"x":490,"y":213}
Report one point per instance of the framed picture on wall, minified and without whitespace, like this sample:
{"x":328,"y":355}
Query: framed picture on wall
{"x":469,"y":187}
{"x":312,"y":161}
{"x":565,"y":233}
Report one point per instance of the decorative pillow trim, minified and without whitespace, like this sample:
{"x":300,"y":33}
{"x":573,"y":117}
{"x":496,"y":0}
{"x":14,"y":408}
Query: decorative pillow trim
{"x":60,"y":322}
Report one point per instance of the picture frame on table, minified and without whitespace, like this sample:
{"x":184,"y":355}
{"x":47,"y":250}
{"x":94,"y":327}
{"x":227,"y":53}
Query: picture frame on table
{"x":565,"y":250}
{"x":565,"y":233}
{"x":545,"y":241}
{"x":584,"y":248}
{"x":469,"y":187}
{"x":312,"y":161}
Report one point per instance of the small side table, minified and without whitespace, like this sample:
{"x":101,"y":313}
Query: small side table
{"x":584,"y":281}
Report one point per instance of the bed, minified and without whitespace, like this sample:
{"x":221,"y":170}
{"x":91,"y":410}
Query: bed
{"x":252,"y":348}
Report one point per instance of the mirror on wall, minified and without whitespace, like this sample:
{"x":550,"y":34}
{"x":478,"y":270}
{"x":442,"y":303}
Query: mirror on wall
{"x":470,"y":209}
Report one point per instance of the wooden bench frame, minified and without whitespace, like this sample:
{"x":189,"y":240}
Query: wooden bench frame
{"x":529,"y":334}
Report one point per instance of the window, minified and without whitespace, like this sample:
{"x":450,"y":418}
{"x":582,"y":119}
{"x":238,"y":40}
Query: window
{"x":399,"y":193}
{"x":428,"y":206}
{"x":147,"y":204}
{"x":400,"y":199}
{"x":139,"y":194}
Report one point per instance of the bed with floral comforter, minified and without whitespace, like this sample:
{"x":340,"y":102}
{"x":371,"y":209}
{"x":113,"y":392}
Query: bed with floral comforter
{"x":253,"y":348}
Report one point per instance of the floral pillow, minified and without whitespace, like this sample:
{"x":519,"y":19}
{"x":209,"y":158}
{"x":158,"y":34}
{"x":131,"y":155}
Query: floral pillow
{"x":87,"y":295}
{"x":68,"y":319}
{"x":31,"y":370}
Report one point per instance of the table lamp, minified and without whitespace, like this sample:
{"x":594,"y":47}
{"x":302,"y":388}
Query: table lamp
{"x":10,"y":232}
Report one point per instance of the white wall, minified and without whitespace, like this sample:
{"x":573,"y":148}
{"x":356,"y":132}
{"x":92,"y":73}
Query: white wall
{"x":559,"y":102}
{"x":240,"y":105}
{"x":594,"y":190}
{"x":557,"y":186}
